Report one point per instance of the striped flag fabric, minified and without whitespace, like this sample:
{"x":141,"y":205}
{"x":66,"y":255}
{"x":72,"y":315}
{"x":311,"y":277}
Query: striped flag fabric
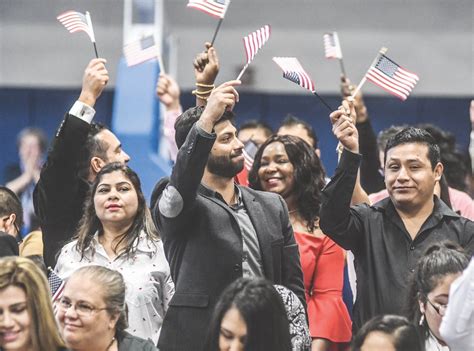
{"x":216,"y":8}
{"x":292,"y":70}
{"x":249,"y":151}
{"x":141,"y":50}
{"x":56,"y":286}
{"x":255,"y":41}
{"x":332,"y":47}
{"x":77,"y":22}
{"x":390,"y":76}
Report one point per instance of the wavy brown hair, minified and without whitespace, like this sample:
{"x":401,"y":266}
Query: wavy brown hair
{"x":309,"y":175}
{"x":90,"y":223}
{"x":24,"y":274}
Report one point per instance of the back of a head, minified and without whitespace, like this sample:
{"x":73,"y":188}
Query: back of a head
{"x":402,"y":333}
{"x":416,"y":136}
{"x":188,"y":118}
{"x":256,"y":124}
{"x":292,"y":121}
{"x":113,"y":292}
{"x":262,"y":309}
{"x":10,"y":204}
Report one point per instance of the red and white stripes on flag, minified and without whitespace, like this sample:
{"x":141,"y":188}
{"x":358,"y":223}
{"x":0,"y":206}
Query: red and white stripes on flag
{"x":249,"y":151}
{"x":255,"y":40}
{"x":332,"y":47}
{"x":292,"y":70}
{"x":77,"y":22}
{"x":141,"y":50}
{"x":216,"y":8}
{"x":56,"y":286}
{"x":391,"y":77}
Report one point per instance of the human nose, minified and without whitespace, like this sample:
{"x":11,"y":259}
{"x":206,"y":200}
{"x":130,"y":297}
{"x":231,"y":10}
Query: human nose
{"x":402,"y":174}
{"x":236,"y":345}
{"x":7,"y":321}
{"x":126,"y":158}
{"x":70,"y":311}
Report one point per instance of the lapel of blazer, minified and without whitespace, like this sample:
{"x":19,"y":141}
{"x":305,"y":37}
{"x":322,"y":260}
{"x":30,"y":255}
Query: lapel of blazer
{"x":259,"y":221}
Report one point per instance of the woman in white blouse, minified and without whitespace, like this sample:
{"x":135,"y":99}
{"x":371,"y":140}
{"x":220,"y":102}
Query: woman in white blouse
{"x":117,"y":232}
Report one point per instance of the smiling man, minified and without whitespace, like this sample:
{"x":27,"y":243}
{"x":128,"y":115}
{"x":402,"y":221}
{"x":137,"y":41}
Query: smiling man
{"x":213,"y":230}
{"x":388,"y":238}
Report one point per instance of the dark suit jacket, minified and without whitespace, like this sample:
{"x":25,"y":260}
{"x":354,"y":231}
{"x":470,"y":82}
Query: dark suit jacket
{"x":60,"y":193}
{"x":8,"y":245}
{"x":203,"y":244}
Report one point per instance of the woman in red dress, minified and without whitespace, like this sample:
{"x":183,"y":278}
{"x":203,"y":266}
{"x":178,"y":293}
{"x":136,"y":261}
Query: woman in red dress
{"x":288,"y":166}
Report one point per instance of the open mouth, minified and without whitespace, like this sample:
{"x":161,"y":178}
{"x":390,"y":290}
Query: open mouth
{"x":9,"y":336}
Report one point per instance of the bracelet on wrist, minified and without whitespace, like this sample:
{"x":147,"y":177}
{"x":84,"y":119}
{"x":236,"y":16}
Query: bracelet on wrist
{"x":201,"y":85}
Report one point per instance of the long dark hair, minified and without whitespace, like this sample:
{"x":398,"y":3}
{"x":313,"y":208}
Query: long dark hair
{"x":405,"y":337}
{"x":261,"y":308}
{"x":90,"y":223}
{"x":309,"y":175}
{"x":438,"y":261}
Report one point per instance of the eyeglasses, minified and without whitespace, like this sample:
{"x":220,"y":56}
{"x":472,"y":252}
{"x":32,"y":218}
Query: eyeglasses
{"x":440,"y":309}
{"x":83,"y":309}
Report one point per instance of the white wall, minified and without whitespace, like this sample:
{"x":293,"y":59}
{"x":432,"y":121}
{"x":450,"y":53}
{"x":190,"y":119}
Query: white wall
{"x":433,"y":38}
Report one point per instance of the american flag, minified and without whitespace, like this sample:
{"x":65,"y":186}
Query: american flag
{"x":249,"y":151}
{"x":255,"y":40}
{"x":391,"y":77}
{"x":56,"y":285}
{"x":292,"y":70}
{"x":216,"y":8}
{"x":141,"y":50}
{"x":332,"y":48}
{"x":77,"y":22}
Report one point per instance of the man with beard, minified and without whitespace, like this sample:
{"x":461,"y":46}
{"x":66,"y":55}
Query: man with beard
{"x":213,"y":230}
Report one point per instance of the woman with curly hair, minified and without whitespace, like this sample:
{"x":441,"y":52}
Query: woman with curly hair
{"x":286,"y":165}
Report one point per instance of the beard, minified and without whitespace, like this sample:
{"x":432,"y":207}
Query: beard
{"x":224,"y":166}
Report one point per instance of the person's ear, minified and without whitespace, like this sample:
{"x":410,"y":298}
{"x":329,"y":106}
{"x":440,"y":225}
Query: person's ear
{"x":317,"y":152}
{"x":113,"y":320}
{"x":97,"y":163}
{"x":9,"y":224}
{"x":422,"y":306}
{"x":438,"y":171}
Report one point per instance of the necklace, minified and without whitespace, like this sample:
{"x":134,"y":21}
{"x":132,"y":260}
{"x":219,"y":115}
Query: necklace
{"x":111,"y":343}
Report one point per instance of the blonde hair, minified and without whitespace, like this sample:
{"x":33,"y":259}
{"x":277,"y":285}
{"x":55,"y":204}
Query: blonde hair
{"x":24,"y":274}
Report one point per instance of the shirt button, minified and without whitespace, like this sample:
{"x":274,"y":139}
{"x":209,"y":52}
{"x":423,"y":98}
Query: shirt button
{"x":412,"y":248}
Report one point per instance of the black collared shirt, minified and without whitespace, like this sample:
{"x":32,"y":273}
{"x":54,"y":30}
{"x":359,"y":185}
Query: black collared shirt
{"x":385,"y":254}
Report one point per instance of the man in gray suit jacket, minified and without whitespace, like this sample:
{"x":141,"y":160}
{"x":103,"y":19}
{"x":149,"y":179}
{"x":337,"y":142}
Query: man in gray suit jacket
{"x":213,"y":230}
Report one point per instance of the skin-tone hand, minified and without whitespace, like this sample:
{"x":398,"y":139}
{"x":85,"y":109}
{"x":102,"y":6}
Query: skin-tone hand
{"x":346,"y":90}
{"x":168,"y":92}
{"x":223,"y":98}
{"x":344,"y":128}
{"x":94,"y":81}
{"x":206,"y":65}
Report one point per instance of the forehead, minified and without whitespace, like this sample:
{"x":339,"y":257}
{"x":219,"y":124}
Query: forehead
{"x":443,"y":284}
{"x":273,"y":149}
{"x":81,"y":287}
{"x":114,"y":177}
{"x":409,"y":151}
{"x":224,"y":127}
{"x":11,"y":295}
{"x":108,"y":137}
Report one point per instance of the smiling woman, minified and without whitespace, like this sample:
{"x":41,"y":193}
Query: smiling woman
{"x":26,"y":315}
{"x":117,"y":232}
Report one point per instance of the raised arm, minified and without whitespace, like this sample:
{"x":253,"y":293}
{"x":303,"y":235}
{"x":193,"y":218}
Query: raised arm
{"x":206,"y":68}
{"x":337,"y":220}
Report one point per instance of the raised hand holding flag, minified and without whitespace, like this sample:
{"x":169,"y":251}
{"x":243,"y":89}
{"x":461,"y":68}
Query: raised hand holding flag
{"x":254,"y":42}
{"x":293,"y":71}
{"x":77,"y":22}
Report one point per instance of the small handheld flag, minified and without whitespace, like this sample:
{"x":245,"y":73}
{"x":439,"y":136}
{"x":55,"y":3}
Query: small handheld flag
{"x":141,"y":50}
{"x":293,"y":71}
{"x":249,"y":152}
{"x":77,"y":22}
{"x":254,"y":42}
{"x":389,"y":76}
{"x":216,"y":8}
{"x":56,"y":286}
{"x":332,"y":49}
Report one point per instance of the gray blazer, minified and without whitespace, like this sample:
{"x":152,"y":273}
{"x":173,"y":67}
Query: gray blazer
{"x":203,"y":244}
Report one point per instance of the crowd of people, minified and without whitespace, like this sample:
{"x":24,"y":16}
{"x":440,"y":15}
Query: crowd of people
{"x":270,"y":254}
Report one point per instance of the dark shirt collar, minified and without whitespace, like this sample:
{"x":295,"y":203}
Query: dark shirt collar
{"x":440,"y":208}
{"x":206,"y":191}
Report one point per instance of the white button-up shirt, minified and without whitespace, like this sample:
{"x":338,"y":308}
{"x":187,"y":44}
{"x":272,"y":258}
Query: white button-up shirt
{"x":146,"y":275}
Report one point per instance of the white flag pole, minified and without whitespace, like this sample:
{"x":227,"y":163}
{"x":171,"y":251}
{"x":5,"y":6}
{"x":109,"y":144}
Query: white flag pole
{"x":364,"y":79}
{"x":91,"y":32}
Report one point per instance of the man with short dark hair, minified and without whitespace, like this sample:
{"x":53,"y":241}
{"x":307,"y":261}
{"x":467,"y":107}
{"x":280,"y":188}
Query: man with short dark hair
{"x":213,"y":230}
{"x":11,"y":221}
{"x":388,"y":238}
{"x":292,"y":125}
{"x":254,"y":130}
{"x":79,"y":151}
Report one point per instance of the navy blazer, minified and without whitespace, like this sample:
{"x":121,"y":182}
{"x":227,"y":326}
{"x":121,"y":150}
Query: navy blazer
{"x":203,"y":244}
